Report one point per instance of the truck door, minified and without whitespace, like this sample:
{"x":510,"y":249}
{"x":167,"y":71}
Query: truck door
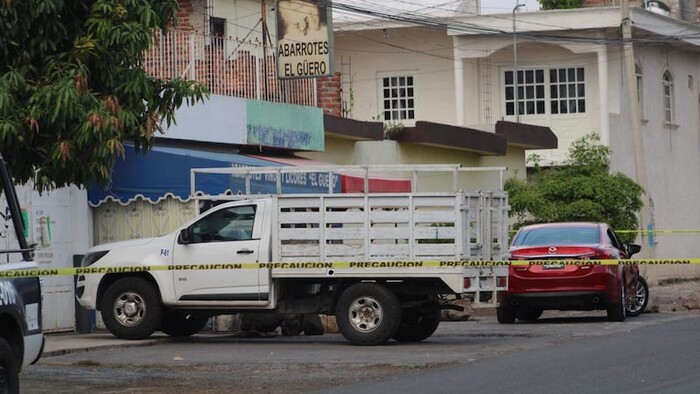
{"x":226,"y":236}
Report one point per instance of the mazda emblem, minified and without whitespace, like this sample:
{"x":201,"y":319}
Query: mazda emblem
{"x":552,"y":250}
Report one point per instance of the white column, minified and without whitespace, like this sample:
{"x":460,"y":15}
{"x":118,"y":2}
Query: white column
{"x":459,"y":89}
{"x":603,"y":96}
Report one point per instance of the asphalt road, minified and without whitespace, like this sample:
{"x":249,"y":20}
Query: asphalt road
{"x":658,"y":358}
{"x":574,"y":352}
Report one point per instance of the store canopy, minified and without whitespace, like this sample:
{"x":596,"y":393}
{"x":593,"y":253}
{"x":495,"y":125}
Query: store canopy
{"x":349,"y":183}
{"x":165,"y":171}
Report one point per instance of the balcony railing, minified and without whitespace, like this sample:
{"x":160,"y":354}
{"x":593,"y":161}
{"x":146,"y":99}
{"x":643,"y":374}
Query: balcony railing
{"x":227,"y":67}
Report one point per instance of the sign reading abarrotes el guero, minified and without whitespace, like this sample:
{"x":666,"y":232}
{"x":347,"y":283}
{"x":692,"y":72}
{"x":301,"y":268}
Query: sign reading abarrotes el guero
{"x":304,"y":39}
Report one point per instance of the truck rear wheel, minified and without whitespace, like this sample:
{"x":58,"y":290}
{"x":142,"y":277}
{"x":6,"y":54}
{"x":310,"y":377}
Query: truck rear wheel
{"x":131,"y":308}
{"x":418,"y":325}
{"x":368,"y":314}
{"x":9,"y":369}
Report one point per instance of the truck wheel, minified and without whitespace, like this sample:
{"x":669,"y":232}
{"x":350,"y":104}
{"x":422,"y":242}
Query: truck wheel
{"x":131,"y":308}
{"x":182,"y":325}
{"x":9,"y":371}
{"x":368,"y":314}
{"x":418,"y":325}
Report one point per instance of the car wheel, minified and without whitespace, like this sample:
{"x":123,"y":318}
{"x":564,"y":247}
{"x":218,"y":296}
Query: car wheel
{"x":9,"y":369}
{"x":131,"y":308}
{"x":418,"y":325}
{"x":182,"y":325}
{"x":617,"y":310}
{"x":638,"y":303}
{"x":506,"y":315}
{"x":529,"y":315}
{"x":368,"y":314}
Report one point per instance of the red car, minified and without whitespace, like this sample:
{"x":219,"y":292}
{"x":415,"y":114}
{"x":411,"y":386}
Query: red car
{"x":534,"y":288}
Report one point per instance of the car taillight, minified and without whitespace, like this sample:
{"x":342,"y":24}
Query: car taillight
{"x":603,"y":254}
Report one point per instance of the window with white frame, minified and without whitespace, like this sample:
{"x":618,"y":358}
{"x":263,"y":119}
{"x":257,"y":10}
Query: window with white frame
{"x":668,"y":97}
{"x":530,"y":92}
{"x":640,"y":90}
{"x":567,"y":91}
{"x":398,"y":98}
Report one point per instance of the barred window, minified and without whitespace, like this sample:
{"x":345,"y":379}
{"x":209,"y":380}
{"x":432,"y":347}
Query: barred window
{"x":566,"y":93}
{"x":530,"y":92}
{"x":398,"y":98}
{"x":567,"y":90}
{"x":668,"y":97}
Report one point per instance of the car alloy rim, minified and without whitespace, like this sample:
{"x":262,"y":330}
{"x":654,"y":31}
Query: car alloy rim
{"x":129,"y":309}
{"x":639,"y":298}
{"x":365,"y":314}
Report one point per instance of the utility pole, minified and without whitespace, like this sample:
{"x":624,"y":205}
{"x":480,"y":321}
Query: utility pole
{"x":263,"y":13}
{"x":634,"y":121}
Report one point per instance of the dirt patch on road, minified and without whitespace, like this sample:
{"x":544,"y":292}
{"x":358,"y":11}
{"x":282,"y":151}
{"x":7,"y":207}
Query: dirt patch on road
{"x":670,"y":295}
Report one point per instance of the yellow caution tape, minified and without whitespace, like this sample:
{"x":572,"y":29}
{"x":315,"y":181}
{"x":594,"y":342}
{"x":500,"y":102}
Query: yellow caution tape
{"x":334,"y":265}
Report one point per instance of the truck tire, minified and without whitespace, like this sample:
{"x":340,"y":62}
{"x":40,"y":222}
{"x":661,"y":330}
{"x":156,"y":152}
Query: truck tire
{"x":181,"y":325}
{"x":131,"y":308}
{"x":9,"y":369}
{"x":368,"y":314}
{"x":418,"y":325}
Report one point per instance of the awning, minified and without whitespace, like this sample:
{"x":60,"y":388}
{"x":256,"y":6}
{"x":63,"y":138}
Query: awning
{"x":165,"y":171}
{"x":349,"y":183}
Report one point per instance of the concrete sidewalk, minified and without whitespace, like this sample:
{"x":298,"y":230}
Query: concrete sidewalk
{"x":64,"y":343}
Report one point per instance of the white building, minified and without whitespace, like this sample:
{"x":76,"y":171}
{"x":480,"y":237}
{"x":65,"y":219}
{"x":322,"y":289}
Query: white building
{"x":460,"y":71}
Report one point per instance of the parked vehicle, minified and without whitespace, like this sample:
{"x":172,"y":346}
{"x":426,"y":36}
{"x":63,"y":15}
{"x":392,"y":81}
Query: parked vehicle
{"x":558,"y":286}
{"x":383,"y":264}
{"x":21,"y":338}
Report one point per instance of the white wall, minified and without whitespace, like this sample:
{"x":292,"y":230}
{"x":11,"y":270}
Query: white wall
{"x":368,"y":56}
{"x":59,"y":226}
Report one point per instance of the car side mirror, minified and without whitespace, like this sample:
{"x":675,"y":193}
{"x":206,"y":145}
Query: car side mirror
{"x":185,"y":237}
{"x":633,"y":249}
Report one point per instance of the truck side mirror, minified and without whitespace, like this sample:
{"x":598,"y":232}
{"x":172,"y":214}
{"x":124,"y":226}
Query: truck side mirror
{"x":633,"y":249}
{"x":185,"y":237}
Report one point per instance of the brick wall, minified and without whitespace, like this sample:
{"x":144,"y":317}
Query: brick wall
{"x":329,"y":94}
{"x":184,"y":13}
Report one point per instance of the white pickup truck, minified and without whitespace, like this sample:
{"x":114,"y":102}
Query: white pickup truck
{"x":383,"y":263}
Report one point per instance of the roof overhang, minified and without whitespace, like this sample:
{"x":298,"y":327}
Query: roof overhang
{"x":481,"y":142}
{"x":527,"y":136}
{"x":353,"y":129}
{"x":572,"y":21}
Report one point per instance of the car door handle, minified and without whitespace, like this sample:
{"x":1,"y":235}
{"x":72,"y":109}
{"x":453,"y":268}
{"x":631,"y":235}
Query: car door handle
{"x":245,"y":251}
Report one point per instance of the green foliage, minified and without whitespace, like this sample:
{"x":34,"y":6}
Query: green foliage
{"x":582,"y":190}
{"x":72,"y":90}
{"x":560,"y":4}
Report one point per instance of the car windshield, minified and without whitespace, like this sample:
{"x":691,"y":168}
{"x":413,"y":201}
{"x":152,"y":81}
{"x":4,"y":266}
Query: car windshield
{"x":557,"y":236}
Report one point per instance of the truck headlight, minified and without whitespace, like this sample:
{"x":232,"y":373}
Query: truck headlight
{"x":91,"y":258}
